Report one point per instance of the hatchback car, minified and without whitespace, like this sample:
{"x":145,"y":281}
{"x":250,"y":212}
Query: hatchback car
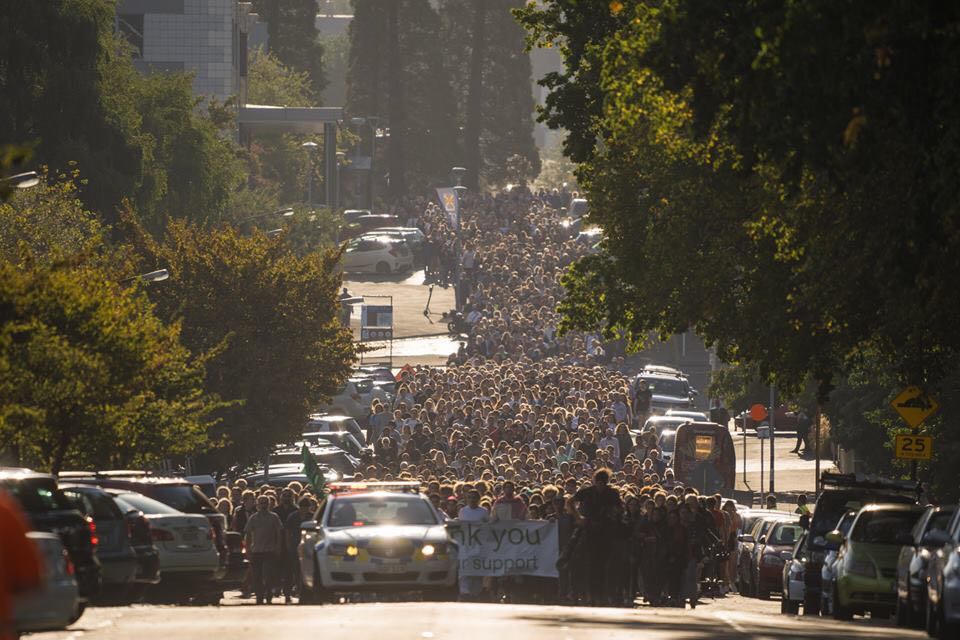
{"x":867,"y":559}
{"x":57,"y":603}
{"x":929,"y":534}
{"x":49,"y":510}
{"x":774,"y":549}
{"x":375,"y":537}
{"x":943,"y":586}
{"x":377,"y":254}
{"x":332,"y":423}
{"x":791,"y":596}
{"x":118,"y":560}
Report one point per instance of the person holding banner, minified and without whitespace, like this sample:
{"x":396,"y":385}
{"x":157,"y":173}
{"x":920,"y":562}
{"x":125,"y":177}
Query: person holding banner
{"x":472,"y":586}
{"x":602,"y":511}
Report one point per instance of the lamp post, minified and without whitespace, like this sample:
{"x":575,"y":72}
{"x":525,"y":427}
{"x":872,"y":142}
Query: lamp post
{"x":457,"y":174}
{"x":151,"y":276}
{"x":341,"y":159}
{"x":311,"y":148}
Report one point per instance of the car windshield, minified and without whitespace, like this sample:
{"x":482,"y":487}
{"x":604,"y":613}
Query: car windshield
{"x":785,"y":534}
{"x":37,"y":495}
{"x":182,"y":498}
{"x":370,"y":511}
{"x":884,"y":527}
{"x":667,"y":387}
{"x":832,"y":505}
{"x":667,"y":440}
{"x":149,"y":506}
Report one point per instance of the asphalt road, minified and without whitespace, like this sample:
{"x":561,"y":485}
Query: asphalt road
{"x":731,"y":618}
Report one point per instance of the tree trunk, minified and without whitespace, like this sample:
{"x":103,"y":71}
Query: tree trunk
{"x":471,"y":132}
{"x":395,"y":106}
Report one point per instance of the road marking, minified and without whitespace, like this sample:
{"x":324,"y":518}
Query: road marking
{"x":725,"y":617}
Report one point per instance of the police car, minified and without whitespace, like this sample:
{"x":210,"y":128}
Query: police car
{"x":375,"y":536}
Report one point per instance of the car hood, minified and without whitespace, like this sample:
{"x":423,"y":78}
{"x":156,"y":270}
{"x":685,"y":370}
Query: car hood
{"x":433,"y":533}
{"x":885,"y":556}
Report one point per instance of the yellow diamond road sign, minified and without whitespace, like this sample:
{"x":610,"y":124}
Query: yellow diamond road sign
{"x":914,"y":405}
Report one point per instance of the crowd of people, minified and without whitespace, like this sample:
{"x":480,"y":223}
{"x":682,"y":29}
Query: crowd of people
{"x":524,"y":424}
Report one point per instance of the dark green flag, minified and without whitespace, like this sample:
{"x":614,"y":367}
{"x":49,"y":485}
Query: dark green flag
{"x":312,"y":470}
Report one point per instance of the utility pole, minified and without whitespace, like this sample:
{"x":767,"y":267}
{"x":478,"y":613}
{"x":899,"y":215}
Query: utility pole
{"x":773,"y":430}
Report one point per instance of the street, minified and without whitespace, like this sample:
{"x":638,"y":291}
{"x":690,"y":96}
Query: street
{"x":730,"y":619}
{"x":792,"y":473}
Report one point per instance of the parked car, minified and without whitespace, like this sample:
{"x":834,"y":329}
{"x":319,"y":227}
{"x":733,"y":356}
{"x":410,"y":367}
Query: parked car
{"x":323,"y":423}
{"x":350,"y":215}
{"x":49,"y":510}
{"x":791,"y":594}
{"x":368,"y":390}
{"x":377,"y":254}
{"x":842,"y":493}
{"x":828,"y":569}
{"x":667,"y":444}
{"x":189,"y":561}
{"x":751,"y":545}
{"x":929,"y":534}
{"x":867,"y":560}
{"x":943,"y":586}
{"x":287,"y":472}
{"x":340,"y":439}
{"x":173,"y":492}
{"x":364,"y":223}
{"x":691,"y":416}
{"x":377,"y":372}
{"x":57,"y":603}
{"x":773,"y":549}
{"x":347,"y":401}
{"x":413,"y":236}
{"x":118,"y":560}
{"x":670,"y":389}
{"x":326,"y":456}
{"x":661,"y":423}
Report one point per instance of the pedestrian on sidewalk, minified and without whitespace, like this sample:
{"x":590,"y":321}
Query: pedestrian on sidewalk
{"x":803,"y":430}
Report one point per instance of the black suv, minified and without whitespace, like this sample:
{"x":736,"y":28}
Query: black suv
{"x":842,"y":493}
{"x":49,"y":510}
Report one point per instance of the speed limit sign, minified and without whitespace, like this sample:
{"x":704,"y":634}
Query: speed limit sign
{"x":913,"y":447}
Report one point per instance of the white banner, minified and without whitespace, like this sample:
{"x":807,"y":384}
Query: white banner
{"x":515,"y":548}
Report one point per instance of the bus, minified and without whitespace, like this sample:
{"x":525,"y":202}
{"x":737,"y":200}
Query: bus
{"x":704,"y":458}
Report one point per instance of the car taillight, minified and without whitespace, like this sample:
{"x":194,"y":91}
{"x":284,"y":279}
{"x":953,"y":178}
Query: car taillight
{"x":94,"y":539}
{"x":161,"y":535}
{"x":68,"y":567}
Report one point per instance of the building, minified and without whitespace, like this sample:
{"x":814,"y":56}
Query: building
{"x":205,"y":37}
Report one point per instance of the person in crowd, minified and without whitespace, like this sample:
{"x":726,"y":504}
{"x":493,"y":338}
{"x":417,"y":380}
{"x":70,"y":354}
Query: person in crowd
{"x":263,"y":535}
{"x":602,"y":510}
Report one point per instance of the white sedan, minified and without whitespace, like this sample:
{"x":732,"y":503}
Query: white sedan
{"x":377,"y":254}
{"x":375,"y":537}
{"x":185,"y":541}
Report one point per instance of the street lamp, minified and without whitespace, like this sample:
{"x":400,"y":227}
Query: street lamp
{"x":152,"y":276}
{"x":311,"y":148}
{"x":458,"y":173}
{"x":23,"y":180}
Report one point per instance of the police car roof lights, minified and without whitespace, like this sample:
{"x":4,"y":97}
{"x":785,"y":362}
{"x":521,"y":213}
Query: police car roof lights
{"x":400,"y":486}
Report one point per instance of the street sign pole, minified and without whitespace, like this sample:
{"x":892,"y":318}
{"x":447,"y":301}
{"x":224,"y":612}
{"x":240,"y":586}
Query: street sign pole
{"x":913,"y":464}
{"x":773,"y":431}
{"x":816,"y":450}
{"x":914,"y":405}
{"x":744,"y":447}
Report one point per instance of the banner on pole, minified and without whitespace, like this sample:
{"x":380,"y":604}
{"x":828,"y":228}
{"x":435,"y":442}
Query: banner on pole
{"x":513,"y":548}
{"x":450,"y":202}
{"x":376,"y":322}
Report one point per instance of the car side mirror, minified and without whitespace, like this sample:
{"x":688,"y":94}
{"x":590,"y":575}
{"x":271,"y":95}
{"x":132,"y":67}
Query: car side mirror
{"x":935,"y":538}
{"x":835,"y":537}
{"x":308,"y":526}
{"x":762,"y":540}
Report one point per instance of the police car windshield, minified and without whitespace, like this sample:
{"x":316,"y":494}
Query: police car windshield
{"x":359,"y":511}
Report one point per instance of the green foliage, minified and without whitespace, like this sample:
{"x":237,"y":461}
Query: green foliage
{"x":293,"y":40}
{"x":278,"y":162}
{"x":336,"y":62}
{"x":770,"y":175}
{"x":271,"y":317}
{"x":89,"y":377}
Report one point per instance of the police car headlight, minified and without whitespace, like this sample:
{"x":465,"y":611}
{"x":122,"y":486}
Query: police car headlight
{"x":428,"y":550}
{"x":352,"y":550}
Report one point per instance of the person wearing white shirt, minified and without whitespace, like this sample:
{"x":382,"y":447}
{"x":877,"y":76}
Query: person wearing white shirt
{"x":608,"y":440}
{"x":471,"y":586}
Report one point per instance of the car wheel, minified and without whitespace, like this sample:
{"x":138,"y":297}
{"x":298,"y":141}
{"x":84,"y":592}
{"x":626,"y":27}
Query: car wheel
{"x":383,"y":268}
{"x":840,"y":612}
{"x":80,"y":609}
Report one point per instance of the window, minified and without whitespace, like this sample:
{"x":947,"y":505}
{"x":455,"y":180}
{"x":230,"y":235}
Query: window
{"x":131,"y":28}
{"x":703,"y":446}
{"x":377,"y":511}
{"x":39,"y":495}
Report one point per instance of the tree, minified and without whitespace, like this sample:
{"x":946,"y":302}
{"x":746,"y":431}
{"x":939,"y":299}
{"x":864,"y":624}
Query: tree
{"x":270,"y":318}
{"x":396,"y":74}
{"x":89,"y":377}
{"x":294,"y":41}
{"x":756,"y":201}
{"x":484,"y":49}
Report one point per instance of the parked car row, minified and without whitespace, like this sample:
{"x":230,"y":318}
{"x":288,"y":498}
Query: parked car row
{"x":118,"y":537}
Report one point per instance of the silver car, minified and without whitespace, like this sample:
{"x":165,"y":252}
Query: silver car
{"x":57,"y":603}
{"x":943,"y":586}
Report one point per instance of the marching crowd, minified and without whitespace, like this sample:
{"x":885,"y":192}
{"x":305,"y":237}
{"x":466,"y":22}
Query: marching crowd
{"x":523,"y":425}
